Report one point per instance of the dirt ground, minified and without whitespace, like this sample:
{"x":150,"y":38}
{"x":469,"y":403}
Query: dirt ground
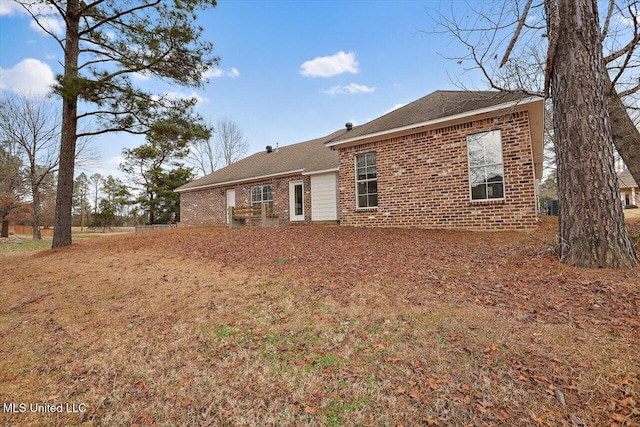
{"x":317,"y":326}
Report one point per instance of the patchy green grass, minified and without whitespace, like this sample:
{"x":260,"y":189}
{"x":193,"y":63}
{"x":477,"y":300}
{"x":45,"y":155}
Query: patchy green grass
{"x":21,"y":244}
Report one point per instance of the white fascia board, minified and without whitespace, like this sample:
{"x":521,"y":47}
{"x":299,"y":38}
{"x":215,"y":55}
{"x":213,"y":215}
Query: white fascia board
{"x":498,"y":107}
{"x":319,"y":172}
{"x":237,"y":181}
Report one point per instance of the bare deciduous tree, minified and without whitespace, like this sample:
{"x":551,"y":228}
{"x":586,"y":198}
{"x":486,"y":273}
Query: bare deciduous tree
{"x":33,"y":125}
{"x":230,"y":141}
{"x":12,"y":185}
{"x":592,"y":229}
{"x":508,"y":43}
{"x":202,"y":157}
{"x":227,"y":146}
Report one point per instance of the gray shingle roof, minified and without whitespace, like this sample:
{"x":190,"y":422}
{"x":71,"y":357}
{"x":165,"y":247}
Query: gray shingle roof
{"x":313,"y":155}
{"x":309,"y":156}
{"x":625,"y":179}
{"x":437,"y":105}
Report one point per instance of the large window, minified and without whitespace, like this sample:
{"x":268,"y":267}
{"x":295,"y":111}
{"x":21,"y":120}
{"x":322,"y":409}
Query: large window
{"x":486,"y":170}
{"x":262,"y":194}
{"x":366,"y":181}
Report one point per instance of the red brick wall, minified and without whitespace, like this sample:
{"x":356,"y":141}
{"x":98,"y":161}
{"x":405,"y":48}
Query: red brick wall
{"x":209,"y":206}
{"x":423,"y":180}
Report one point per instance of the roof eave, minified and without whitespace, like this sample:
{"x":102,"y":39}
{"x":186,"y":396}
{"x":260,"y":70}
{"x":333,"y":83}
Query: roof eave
{"x":238,"y":181}
{"x":403,"y":129}
{"x":318,"y":172}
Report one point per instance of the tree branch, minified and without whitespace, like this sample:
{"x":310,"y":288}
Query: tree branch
{"x":607,"y":21}
{"x":110,"y":19}
{"x":553,"y":12}
{"x":516,"y":34}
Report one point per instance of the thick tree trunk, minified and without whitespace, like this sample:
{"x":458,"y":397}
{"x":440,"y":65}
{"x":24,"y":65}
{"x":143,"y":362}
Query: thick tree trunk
{"x":5,"y":228}
{"x":592,"y":228}
{"x":625,"y":133}
{"x":35,"y":211}
{"x":64,"y":195}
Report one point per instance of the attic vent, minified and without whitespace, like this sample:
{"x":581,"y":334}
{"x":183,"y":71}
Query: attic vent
{"x":349,"y":126}
{"x":269,"y":149}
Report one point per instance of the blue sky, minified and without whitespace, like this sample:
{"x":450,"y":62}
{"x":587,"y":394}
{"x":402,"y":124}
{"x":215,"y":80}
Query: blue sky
{"x":290,"y":70}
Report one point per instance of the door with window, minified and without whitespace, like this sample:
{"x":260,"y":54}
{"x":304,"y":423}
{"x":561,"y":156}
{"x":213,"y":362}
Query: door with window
{"x":231,"y":202}
{"x":296,"y":201}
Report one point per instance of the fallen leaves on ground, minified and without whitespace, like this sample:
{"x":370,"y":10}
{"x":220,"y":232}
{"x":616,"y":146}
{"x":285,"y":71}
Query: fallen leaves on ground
{"x":319,"y":326}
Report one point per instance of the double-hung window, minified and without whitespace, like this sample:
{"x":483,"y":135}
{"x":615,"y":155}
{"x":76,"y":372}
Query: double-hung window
{"x":486,"y":168}
{"x":366,"y":181}
{"x":262,"y":194}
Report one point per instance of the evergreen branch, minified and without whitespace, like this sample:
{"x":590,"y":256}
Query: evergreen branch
{"x":110,"y":19}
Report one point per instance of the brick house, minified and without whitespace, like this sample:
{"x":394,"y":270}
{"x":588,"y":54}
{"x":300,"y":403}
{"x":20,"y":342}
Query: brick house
{"x":298,"y":181}
{"x":629,"y":190}
{"x":452,"y":159}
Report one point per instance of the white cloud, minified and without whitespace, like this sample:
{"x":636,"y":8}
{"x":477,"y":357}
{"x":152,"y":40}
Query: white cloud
{"x":219,"y":72}
{"x":29,"y":77}
{"x":141,"y":76}
{"x":47,"y":14}
{"x":327,"y":66}
{"x":51,"y":23}
{"x":9,"y":7}
{"x":352,"y":89}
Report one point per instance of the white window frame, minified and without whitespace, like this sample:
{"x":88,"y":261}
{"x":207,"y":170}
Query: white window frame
{"x":366,"y":180}
{"x":262,"y":199}
{"x":293,"y":216}
{"x":485,"y":137}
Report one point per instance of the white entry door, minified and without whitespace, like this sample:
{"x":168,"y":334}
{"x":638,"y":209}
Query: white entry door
{"x":296,"y":201}
{"x":231,"y":201}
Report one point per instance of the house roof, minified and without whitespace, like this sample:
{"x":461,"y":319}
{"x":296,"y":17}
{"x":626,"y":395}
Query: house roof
{"x":626,"y":180}
{"x":305,"y":157}
{"x":441,"y":104}
{"x":443,"y":107}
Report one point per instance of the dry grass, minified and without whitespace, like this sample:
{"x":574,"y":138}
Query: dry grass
{"x":318,"y":326}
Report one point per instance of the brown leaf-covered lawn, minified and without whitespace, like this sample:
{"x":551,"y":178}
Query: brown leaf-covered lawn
{"x":317,"y":325}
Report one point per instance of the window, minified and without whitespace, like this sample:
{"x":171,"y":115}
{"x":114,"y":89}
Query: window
{"x":486,"y":171}
{"x":262,"y":194}
{"x":366,"y":181}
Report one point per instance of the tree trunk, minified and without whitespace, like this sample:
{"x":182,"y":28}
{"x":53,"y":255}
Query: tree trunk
{"x":82,"y":213}
{"x":64,"y":195}
{"x":592,"y":228}
{"x":625,"y":133}
{"x":5,"y":228}
{"x":152,"y":208}
{"x":35,"y":211}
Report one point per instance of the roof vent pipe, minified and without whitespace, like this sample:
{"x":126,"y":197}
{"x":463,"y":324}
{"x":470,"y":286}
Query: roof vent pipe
{"x":349,"y":126}
{"x":269,"y":149}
